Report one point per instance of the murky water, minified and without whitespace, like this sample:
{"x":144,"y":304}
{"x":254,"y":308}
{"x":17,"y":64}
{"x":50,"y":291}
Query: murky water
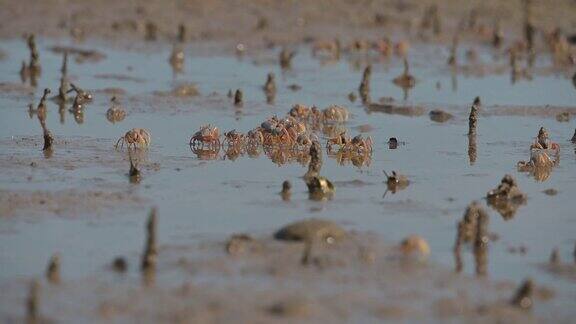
{"x":199,"y":199}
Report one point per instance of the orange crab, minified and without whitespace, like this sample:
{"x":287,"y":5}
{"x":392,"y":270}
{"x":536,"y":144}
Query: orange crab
{"x":136,"y":137}
{"x":208,"y":135}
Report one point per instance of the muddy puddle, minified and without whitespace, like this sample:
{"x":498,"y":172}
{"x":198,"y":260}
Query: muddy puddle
{"x":79,"y":201}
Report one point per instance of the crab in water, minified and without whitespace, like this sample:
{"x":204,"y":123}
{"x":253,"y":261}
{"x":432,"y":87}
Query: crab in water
{"x":233,"y":138}
{"x":136,"y":137}
{"x":208,"y":135}
{"x":341,"y":140}
{"x":300,"y":111}
{"x":335,"y":114}
{"x":359,"y":144}
{"x":304,"y":141}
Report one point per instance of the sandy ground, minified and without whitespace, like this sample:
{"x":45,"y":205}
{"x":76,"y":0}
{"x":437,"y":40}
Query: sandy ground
{"x":360,"y":279}
{"x":258,"y":280}
{"x":260,"y":23}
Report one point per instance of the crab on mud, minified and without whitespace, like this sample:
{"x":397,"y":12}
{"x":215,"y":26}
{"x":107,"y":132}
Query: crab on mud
{"x":233,"y":138}
{"x":303,"y":141}
{"x":136,"y":137}
{"x":208,"y":135}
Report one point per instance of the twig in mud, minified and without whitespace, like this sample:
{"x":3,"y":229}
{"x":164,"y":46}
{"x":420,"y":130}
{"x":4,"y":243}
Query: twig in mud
{"x":149,"y":257}
{"x":307,"y":253}
{"x":64,"y":68}
{"x":238,"y":97}
{"x":53,"y":269}
{"x":481,"y":243}
{"x":285,"y":58}
{"x":555,"y":257}
{"x":177,"y":58}
{"x":453,"y":59}
{"x":270,"y":88}
{"x":460,"y":237}
{"x":134,"y":173}
{"x":529,"y":28}
{"x":523,"y":296}
{"x":286,"y":187}
{"x":34,"y":67}
{"x":472,"y":149}
{"x":33,"y":302}
{"x":473,"y":118}
{"x":41,"y":112}
{"x":497,"y":35}
{"x":181,"y":33}
{"x":151,"y":31}
{"x":364,"y":88}
{"x":315,"y":164}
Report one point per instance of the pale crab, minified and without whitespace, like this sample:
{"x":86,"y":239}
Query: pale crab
{"x":359,"y":144}
{"x":300,"y":111}
{"x":208,"y":135}
{"x":335,"y":114}
{"x":340,"y":140}
{"x":233,"y":138}
{"x":136,"y":137}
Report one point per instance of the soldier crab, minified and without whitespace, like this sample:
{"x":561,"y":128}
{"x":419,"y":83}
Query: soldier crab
{"x":208,"y":135}
{"x":136,"y":137}
{"x":233,"y":138}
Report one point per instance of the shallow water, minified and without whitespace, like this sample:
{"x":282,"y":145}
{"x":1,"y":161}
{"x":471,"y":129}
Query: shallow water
{"x":199,"y":199}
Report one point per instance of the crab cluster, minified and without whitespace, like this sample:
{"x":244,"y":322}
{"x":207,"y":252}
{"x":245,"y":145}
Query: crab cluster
{"x":357,"y":150}
{"x":283,"y":140}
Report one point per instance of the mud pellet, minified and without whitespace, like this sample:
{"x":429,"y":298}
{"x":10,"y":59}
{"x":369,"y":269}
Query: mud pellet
{"x":119,"y":264}
{"x":393,"y":143}
{"x":53,"y":269}
{"x":33,"y":302}
{"x":150,"y":249}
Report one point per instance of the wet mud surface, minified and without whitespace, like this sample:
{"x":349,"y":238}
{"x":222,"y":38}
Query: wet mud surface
{"x":83,"y":201}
